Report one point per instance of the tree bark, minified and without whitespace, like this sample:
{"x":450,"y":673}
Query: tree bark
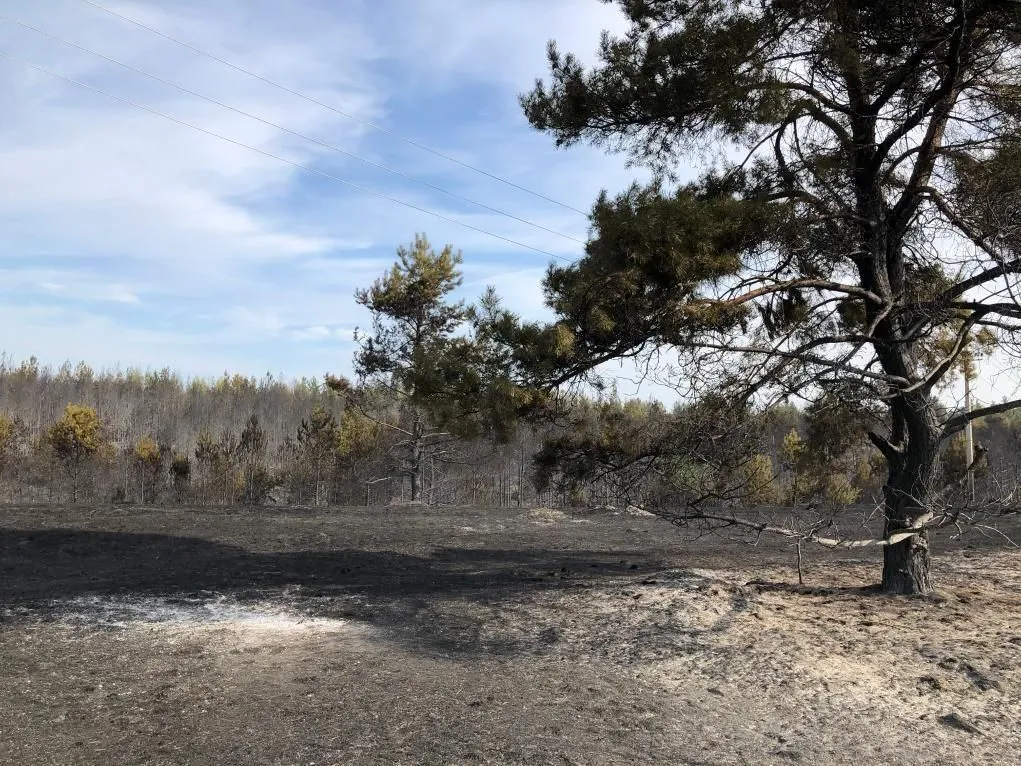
{"x":908,"y":494}
{"x":906,"y":566}
{"x":415,"y":467}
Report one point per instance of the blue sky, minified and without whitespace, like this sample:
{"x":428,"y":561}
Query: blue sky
{"x":129,"y":240}
{"x":133,"y":241}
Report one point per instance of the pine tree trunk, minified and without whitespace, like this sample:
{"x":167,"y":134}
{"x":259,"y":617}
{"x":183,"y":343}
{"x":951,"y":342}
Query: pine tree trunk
{"x":415,"y":471}
{"x":415,"y":464}
{"x":906,"y":567}
{"x":909,"y":492}
{"x":521,"y":476}
{"x":319,"y":474}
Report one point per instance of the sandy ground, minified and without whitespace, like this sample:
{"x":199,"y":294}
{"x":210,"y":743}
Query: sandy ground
{"x":471,"y":636}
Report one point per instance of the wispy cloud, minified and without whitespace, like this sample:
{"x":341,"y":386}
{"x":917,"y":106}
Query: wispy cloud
{"x":132,"y":240}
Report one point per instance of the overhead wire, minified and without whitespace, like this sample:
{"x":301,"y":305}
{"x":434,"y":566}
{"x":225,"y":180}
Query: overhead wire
{"x":300,"y":166}
{"x":332,"y":108}
{"x":295,"y":133}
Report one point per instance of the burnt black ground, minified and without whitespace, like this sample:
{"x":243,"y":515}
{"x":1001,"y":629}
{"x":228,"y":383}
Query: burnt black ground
{"x":456,"y":644}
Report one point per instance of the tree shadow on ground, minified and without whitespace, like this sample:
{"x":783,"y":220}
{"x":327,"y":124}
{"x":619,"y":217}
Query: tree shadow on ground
{"x":437,"y":601}
{"x":39,"y":565}
{"x":444,"y":599}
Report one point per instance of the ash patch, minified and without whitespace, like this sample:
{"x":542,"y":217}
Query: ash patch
{"x":207,"y":610}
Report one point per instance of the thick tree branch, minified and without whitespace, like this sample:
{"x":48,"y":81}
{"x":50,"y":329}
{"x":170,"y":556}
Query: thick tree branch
{"x":807,"y":358}
{"x":948,"y":83}
{"x":817,"y":284}
{"x":890,"y":451}
{"x":957,"y":423}
{"x":988,"y":275}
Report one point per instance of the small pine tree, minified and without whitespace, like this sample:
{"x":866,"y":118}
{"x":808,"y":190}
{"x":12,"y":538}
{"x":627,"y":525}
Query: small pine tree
{"x":76,"y":439}
{"x":412,"y":347}
{"x":180,"y":472}
{"x":258,"y":482}
{"x":148,"y":457}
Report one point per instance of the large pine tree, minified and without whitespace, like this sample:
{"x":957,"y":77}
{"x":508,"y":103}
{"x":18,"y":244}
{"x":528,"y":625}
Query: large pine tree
{"x":857,"y":211}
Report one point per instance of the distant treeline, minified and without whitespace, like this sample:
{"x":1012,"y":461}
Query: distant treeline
{"x":233,"y":439}
{"x":152,"y":436}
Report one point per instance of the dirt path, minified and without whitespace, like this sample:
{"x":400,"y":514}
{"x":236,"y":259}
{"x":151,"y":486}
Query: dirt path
{"x":467,"y":636}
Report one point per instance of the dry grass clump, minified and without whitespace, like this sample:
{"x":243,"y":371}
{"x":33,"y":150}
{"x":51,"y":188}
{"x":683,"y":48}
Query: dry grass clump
{"x":547,"y":514}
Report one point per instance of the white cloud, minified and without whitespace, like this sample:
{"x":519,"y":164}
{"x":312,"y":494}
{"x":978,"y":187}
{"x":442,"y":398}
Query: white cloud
{"x":502,"y":41}
{"x":131,"y":183}
{"x":322,"y":333}
{"x":71,"y":285}
{"x":129,"y":239}
{"x":519,"y":290}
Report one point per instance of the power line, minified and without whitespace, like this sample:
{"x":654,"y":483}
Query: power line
{"x":289,"y":131}
{"x":342,"y":113}
{"x":300,"y":166}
